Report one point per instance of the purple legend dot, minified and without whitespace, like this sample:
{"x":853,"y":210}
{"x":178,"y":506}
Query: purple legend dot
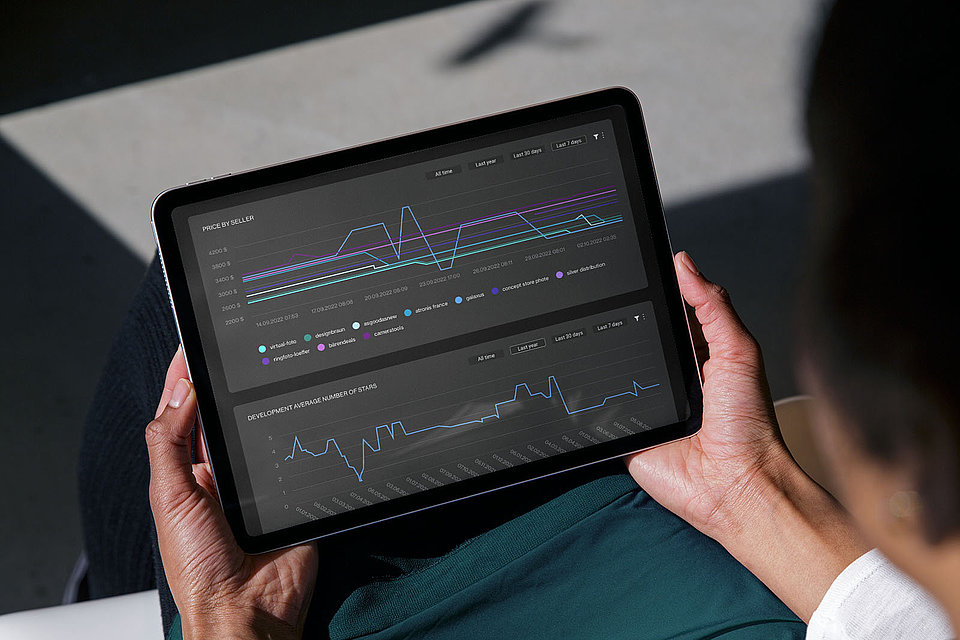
{"x":321,"y":347}
{"x":366,"y":336}
{"x":559,"y":274}
{"x":494,"y":291}
{"x":265,"y":361}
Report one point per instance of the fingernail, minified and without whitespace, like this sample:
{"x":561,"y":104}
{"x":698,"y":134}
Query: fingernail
{"x":688,"y":262}
{"x":179,"y":393}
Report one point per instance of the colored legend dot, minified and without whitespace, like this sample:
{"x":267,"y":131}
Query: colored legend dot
{"x":366,"y":336}
{"x":495,"y":291}
{"x":559,"y":274}
{"x":407,"y":312}
{"x":262,"y":349}
{"x":356,"y":325}
{"x":458,"y":299}
{"x":307,"y":337}
{"x":265,"y":361}
{"x":321,"y":347}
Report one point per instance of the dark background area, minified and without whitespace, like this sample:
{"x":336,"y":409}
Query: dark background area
{"x":57,"y":50}
{"x":68,"y":280}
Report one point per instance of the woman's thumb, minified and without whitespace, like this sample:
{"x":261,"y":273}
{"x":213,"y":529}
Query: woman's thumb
{"x":168,"y":444}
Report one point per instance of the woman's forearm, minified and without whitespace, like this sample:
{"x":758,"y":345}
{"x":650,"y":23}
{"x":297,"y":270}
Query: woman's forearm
{"x":792,"y":535}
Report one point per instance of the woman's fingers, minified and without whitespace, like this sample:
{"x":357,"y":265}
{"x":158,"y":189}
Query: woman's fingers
{"x":168,"y":444}
{"x":204,"y":477}
{"x":722,"y":328}
{"x":199,"y":445}
{"x":176,"y":370}
{"x":700,"y":347}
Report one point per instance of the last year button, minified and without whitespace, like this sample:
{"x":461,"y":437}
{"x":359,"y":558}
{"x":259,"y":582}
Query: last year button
{"x":529,"y":345}
{"x":492,"y":161}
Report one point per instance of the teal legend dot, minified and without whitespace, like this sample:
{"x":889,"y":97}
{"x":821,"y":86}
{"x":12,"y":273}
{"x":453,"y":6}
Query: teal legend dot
{"x":356,"y":325}
{"x":306,"y":337}
{"x":458,"y":299}
{"x":262,"y":349}
{"x":407,"y":312}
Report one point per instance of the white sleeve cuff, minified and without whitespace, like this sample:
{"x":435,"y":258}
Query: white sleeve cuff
{"x":873,"y":600}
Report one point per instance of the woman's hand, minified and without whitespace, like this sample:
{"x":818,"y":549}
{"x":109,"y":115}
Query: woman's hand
{"x":710,"y":478}
{"x":219,"y":590}
{"x":735,"y":480}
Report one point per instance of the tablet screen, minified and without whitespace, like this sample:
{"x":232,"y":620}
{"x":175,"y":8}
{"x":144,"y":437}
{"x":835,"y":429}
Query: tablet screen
{"x":398,"y":326}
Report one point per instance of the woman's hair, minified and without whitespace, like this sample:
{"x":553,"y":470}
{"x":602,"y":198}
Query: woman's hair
{"x":875,"y":313}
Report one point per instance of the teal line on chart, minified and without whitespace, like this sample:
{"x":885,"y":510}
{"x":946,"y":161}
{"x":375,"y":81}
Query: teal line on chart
{"x":591,"y":221}
{"x":391,"y":428}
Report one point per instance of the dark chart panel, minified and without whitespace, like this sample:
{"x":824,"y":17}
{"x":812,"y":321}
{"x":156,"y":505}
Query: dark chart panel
{"x":424,"y":424}
{"x":329,"y":275}
{"x":392,"y":328}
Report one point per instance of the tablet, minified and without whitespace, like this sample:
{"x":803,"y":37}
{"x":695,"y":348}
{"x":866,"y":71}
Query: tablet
{"x":389,"y":327}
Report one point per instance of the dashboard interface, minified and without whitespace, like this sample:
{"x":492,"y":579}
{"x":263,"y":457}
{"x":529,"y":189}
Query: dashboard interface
{"x":402,"y":325}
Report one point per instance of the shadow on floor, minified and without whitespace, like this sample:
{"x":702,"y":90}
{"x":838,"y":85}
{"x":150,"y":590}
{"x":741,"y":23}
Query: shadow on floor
{"x":56,"y":50}
{"x":521,"y":24}
{"x":752,"y":240}
{"x":67,"y":283}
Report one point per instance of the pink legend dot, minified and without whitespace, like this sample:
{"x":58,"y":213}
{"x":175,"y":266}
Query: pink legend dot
{"x":559,"y":274}
{"x":366,"y":336}
{"x":321,"y":347}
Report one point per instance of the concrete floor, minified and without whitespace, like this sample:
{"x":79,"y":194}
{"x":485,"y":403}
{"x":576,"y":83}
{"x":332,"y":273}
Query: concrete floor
{"x":721,"y":84}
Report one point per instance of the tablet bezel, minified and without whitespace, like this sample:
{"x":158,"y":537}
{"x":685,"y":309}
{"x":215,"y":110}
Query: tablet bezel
{"x":185,"y":313}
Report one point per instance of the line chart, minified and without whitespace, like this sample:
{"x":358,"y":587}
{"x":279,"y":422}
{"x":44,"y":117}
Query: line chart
{"x":372,"y":249}
{"x":391,"y":428}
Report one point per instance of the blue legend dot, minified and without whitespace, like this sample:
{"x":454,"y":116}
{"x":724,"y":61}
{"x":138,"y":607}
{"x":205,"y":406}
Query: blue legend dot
{"x":458,"y":299}
{"x":559,"y":274}
{"x":307,"y":337}
{"x":495,"y":291}
{"x":407,"y":312}
{"x":265,"y":361}
{"x":356,"y":325}
{"x":262,"y":349}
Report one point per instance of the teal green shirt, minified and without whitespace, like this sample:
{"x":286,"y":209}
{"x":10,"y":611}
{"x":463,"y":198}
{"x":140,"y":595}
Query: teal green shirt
{"x":602,"y":560}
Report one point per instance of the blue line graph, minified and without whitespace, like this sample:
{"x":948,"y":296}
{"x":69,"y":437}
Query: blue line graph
{"x":348,"y":262}
{"x":391,"y":428}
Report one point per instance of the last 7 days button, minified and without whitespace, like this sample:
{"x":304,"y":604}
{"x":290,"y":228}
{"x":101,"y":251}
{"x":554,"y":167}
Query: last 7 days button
{"x":609,"y":324}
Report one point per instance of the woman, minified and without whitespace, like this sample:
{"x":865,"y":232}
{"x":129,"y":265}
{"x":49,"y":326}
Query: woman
{"x":874,"y":352}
